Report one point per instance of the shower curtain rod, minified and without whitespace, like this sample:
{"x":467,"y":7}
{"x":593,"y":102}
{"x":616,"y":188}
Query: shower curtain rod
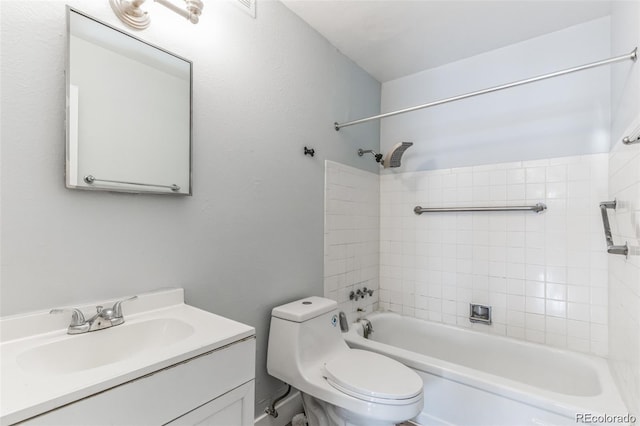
{"x":633,"y":56}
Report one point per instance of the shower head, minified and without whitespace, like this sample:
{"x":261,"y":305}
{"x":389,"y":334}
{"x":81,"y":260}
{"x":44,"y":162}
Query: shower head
{"x":392,"y":159}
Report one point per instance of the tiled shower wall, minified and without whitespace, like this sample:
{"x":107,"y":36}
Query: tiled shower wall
{"x":352,"y":236}
{"x":624,"y":274}
{"x":545,"y":275}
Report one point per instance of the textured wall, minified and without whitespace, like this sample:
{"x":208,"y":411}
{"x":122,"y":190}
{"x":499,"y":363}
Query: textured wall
{"x":624,"y":186}
{"x":563,"y":116}
{"x":251,"y":236}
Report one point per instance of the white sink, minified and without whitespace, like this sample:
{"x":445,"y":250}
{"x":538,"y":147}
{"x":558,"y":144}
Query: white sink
{"x":98,"y":348}
{"x":42,"y":367}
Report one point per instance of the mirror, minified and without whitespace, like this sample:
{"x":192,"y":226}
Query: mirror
{"x":128,"y":112}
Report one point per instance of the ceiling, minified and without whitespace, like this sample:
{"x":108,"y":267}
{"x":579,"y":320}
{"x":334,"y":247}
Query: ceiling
{"x":395,"y":38}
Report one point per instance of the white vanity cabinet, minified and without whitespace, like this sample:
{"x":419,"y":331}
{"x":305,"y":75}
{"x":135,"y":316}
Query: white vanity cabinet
{"x":232,"y":408}
{"x":168,"y":363}
{"x":213,"y":389}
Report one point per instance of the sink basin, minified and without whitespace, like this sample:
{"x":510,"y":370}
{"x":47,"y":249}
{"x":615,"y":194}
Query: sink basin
{"x":99,"y":348}
{"x":43,"y":368}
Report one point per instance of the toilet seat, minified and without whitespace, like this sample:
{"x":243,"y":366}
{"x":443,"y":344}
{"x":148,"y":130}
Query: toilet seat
{"x":372,"y":377}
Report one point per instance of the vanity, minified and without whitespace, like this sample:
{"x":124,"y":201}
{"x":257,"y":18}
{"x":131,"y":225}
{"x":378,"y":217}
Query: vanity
{"x":168,"y":363}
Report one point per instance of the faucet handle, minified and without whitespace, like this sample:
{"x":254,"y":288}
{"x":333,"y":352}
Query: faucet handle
{"x":77,"y":317}
{"x":117,"y":307}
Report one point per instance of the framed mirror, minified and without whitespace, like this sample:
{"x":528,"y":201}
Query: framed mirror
{"x":128,"y":112}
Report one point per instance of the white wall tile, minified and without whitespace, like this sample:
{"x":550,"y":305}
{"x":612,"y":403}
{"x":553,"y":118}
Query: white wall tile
{"x":540,"y":265}
{"x":353,"y":226}
{"x":544,"y":274}
{"x":615,"y":320}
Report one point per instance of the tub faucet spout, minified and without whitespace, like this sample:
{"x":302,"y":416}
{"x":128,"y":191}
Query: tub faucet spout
{"x":367,"y":327}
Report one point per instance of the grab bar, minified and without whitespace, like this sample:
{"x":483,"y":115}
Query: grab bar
{"x":90,"y":179}
{"x":540,"y":207}
{"x":611,"y":248}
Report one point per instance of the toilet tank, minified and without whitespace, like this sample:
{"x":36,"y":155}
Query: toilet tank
{"x":302,"y":333}
{"x":304,"y":309}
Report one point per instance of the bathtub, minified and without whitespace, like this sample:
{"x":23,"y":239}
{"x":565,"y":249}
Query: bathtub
{"x":472,"y":378}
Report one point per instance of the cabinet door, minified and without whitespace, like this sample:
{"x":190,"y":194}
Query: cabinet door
{"x":234,"y":408}
{"x":164,"y":395}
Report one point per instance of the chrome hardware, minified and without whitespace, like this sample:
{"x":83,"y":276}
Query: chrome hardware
{"x":78,"y":324}
{"x":117,"y":310}
{"x":538,"y":208}
{"x":360,"y":293}
{"x":632,"y":137}
{"x":271,"y":410}
{"x":90,"y":179}
{"x":633,"y":55}
{"x":479,"y":313}
{"x":367,"y":327}
{"x":103,"y":318}
{"x":611,"y":248}
{"x":344,"y":324}
{"x":377,"y":156}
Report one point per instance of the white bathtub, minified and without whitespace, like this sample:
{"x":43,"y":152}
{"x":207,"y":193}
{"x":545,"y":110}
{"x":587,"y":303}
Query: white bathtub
{"x":473,"y":378}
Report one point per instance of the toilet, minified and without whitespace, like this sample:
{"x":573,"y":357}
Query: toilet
{"x":340,"y":386}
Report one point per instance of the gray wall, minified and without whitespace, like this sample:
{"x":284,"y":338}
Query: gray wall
{"x":251,"y":237}
{"x":563,"y":116}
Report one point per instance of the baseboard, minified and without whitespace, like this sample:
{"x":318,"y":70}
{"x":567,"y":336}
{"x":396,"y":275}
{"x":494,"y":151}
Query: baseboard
{"x":287,"y":408}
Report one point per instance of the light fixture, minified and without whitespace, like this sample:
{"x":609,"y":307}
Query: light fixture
{"x":130,"y":13}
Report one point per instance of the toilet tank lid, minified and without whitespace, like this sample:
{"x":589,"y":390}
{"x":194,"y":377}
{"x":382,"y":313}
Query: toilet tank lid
{"x":304,"y":309}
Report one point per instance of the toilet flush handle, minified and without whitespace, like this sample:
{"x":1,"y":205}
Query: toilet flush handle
{"x":344,"y":324}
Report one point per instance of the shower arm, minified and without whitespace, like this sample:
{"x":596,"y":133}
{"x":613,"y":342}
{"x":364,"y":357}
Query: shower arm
{"x":378,"y":157}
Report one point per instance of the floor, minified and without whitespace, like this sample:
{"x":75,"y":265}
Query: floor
{"x":401,"y":424}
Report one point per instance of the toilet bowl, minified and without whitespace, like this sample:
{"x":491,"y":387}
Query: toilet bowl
{"x":340,"y":386}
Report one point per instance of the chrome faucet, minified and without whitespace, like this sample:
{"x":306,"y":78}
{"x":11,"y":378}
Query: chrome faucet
{"x":104,"y":318}
{"x":78,"y":324}
{"x":367,"y":327}
{"x":361,"y":293}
